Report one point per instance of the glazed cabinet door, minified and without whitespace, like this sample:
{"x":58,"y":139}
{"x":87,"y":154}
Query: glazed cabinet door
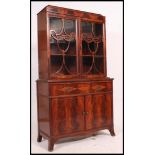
{"x":92,"y":49}
{"x":63,"y":51}
{"x":98,"y":108}
{"x":67,"y":115}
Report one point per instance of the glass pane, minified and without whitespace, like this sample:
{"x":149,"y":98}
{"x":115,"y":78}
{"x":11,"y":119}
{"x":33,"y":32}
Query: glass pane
{"x":56,"y":62}
{"x":64,"y":41}
{"x":53,"y":46}
{"x":56,"y":24}
{"x":99,"y":64}
{"x":98,"y":31}
{"x":90,"y":67}
{"x":89,"y":48}
{"x":72,"y":48}
{"x":86,"y":27}
{"x":97,"y":28}
{"x":71,"y":63}
{"x":92,"y":48}
{"x":87,"y":62}
{"x":85,"y":50}
{"x":100,"y":49}
{"x":63,"y":46}
{"x":69,"y":26}
{"x":63,"y":69}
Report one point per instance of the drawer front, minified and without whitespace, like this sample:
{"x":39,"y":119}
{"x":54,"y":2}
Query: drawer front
{"x":69,"y":89}
{"x":63,"y":89}
{"x":79,"y":88}
{"x":101,"y":86}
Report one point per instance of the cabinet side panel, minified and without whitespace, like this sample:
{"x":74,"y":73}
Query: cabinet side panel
{"x":43,"y":88}
{"x":43,"y":114}
{"x":42,"y":45}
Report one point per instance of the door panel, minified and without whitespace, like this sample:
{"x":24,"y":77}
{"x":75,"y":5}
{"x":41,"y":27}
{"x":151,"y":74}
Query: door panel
{"x":95,"y":111}
{"x":98,"y":109}
{"x":67,"y":115}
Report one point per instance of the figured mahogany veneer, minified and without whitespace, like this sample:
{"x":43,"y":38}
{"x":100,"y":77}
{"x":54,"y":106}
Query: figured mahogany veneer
{"x":79,"y":88}
{"x":74,"y":94}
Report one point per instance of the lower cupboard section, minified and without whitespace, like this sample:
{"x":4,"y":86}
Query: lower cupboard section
{"x":80,"y":113}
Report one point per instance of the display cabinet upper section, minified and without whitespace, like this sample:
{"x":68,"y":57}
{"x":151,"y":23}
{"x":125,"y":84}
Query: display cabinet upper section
{"x":71,"y":44}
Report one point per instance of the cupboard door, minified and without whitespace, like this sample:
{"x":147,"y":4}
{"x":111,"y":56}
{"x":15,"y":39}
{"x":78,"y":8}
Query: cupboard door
{"x":98,"y":110}
{"x":67,"y":115}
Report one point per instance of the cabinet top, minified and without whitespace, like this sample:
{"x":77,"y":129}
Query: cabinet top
{"x":72,"y":12}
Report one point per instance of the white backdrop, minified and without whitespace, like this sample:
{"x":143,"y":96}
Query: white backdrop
{"x":114,"y":27}
{"x":139,"y":73}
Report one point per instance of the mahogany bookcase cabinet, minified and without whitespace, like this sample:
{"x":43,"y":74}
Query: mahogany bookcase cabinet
{"x":74,"y":94}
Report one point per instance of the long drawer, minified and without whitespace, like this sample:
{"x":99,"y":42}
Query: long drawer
{"x":57,"y":89}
